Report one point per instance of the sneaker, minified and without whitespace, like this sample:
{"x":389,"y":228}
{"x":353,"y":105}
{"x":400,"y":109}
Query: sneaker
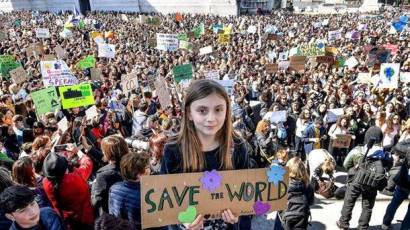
{"x":339,"y":225}
{"x":385,"y":227}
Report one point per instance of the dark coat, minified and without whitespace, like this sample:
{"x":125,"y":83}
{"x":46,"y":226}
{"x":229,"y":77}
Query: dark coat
{"x":49,"y":220}
{"x":310,"y":133}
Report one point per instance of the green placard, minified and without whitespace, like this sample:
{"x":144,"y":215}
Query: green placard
{"x":183,"y":37}
{"x":46,"y":100}
{"x":87,"y":62}
{"x":199,"y":30}
{"x":8,"y":63}
{"x":75,"y":96}
{"x":182,"y":72}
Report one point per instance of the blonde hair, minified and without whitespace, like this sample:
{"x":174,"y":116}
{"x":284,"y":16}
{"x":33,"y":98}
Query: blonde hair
{"x":193,"y":159}
{"x":282,"y":155}
{"x":297,"y":170}
{"x":328,"y":166}
{"x":262,"y":126}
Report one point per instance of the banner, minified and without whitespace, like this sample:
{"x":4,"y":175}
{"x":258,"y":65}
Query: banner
{"x":182,"y":72}
{"x":87,"y":62}
{"x":389,"y":75}
{"x":42,"y":33}
{"x":179,"y":198}
{"x":18,"y":75}
{"x":167,"y":42}
{"x":76,"y":96}
{"x":56,"y":73}
{"x":106,"y":50}
{"x":162,"y":92}
{"x":129,"y":82}
{"x":311,"y":50}
{"x":46,"y":100}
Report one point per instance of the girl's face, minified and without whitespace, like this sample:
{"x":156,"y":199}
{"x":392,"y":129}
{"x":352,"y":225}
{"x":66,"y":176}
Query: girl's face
{"x":343,"y":122}
{"x":366,"y":107}
{"x":389,"y":108}
{"x":208,"y":115}
{"x":396,"y":120}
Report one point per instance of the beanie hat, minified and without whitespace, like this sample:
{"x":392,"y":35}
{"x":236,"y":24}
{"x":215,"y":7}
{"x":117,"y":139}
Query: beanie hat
{"x":375,"y":133}
{"x":54,"y":166}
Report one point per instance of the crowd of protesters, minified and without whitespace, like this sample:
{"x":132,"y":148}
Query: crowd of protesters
{"x":87,"y":182}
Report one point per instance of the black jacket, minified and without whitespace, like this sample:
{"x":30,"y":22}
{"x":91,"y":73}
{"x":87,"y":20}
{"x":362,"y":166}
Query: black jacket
{"x":106,"y":177}
{"x":402,"y":178}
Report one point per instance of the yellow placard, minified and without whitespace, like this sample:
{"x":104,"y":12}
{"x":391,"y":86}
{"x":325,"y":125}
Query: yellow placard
{"x":76,"y":95}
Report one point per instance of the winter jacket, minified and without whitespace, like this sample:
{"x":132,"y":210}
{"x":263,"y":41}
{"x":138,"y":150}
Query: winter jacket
{"x":310,"y":133}
{"x":49,"y":220}
{"x":124,"y":201}
{"x":300,"y":198}
{"x":106,"y":177}
{"x":5,"y":223}
{"x":138,"y":120}
{"x":74,"y":199}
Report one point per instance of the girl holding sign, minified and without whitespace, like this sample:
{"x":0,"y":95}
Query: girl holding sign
{"x":207,"y":142}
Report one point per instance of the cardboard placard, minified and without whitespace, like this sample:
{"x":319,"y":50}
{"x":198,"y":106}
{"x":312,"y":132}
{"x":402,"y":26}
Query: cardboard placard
{"x":36,"y":50}
{"x":59,"y":52}
{"x":162,"y":92}
{"x":342,"y":141}
{"x":164,"y":198}
{"x":76,"y":96}
{"x":212,"y":75}
{"x":129,"y":82}
{"x":272,"y":37}
{"x":46,"y":100}
{"x":18,"y":75}
{"x":364,"y":78}
{"x":63,"y":125}
{"x":297,"y":63}
{"x":271,"y":68}
{"x":91,"y":112}
{"x":325,"y":59}
{"x":49,"y":57}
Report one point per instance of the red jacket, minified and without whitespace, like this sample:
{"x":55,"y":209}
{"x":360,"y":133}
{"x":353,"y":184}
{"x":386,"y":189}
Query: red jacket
{"x":74,"y":194}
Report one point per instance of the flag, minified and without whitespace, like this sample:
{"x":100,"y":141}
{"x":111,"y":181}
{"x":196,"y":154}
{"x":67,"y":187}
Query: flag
{"x":81,"y":24}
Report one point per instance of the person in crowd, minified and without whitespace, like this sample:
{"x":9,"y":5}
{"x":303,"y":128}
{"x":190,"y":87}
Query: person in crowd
{"x":5,"y":182}
{"x":314,"y":135}
{"x":321,"y":162}
{"x":302,"y":123}
{"x":139,"y":118}
{"x":264,"y":143}
{"x":206,"y":142}
{"x":107,"y":221}
{"x":124,"y":197}
{"x":340,"y":127}
{"x":19,"y":205}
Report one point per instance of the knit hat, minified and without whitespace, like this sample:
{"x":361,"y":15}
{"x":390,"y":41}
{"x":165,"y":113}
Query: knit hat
{"x":54,"y":166}
{"x":375,"y":133}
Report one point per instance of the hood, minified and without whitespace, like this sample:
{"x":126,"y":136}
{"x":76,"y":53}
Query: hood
{"x":296,"y":186}
{"x":376,"y":152}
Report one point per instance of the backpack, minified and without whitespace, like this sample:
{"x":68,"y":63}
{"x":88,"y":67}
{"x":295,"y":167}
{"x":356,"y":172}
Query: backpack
{"x":282,"y":133}
{"x":371,"y":173}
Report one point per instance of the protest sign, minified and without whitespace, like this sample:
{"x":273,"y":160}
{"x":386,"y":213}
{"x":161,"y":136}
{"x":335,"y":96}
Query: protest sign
{"x":36,"y":49}
{"x":18,"y":75}
{"x":364,"y":78}
{"x":186,"y":45}
{"x":175,"y":198}
{"x":405,"y":77}
{"x":46,"y":100}
{"x":278,"y":116}
{"x":95,"y":74}
{"x":198,"y":30}
{"x":129,"y":82}
{"x":183,"y":37}
{"x":283,"y":56}
{"x":334,"y":35}
{"x":325,"y":59}
{"x":351,"y":62}
{"x":162,"y":92}
{"x":272,"y":37}
{"x":87,"y":62}
{"x":63,"y":125}
{"x":124,"y":18}
{"x":56,"y":73}
{"x":76,"y":96}
{"x":3,"y":35}
{"x":212,"y":75}
{"x":333,"y":114}
{"x":284,"y":65}
{"x":393,"y":48}
{"x":167,"y":42}
{"x":153,"y":21}
{"x":142,"y":19}
{"x":49,"y":57}
{"x":42,"y":33}
{"x":297,"y":63}
{"x":228,"y":85}
{"x":251,"y":29}
{"x":66,"y":33}
{"x":362,"y":27}
{"x":205,"y":50}
{"x":331,"y":51}
{"x":91,"y":113}
{"x":313,"y":49}
{"x":295,"y":51}
{"x":353,"y":35}
{"x":271,"y":68}
{"x":59,"y":52}
{"x":8,"y":63}
{"x":106,"y":50}
{"x":224,"y":38}
{"x":342,"y":141}
{"x":182,"y":72}
{"x":389,"y":75}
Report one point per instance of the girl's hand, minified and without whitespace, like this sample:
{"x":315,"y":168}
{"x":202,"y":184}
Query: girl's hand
{"x":228,"y":217}
{"x":197,"y":224}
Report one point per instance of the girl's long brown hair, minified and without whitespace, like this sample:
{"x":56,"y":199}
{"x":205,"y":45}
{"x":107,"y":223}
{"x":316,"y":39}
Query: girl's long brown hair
{"x":193,"y":159}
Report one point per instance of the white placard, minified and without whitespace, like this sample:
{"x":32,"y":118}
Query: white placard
{"x":228,"y":85}
{"x":56,"y":73}
{"x":351,"y":62}
{"x":334,"y":35}
{"x":278,"y":116}
{"x":405,"y":77}
{"x":212,"y":75}
{"x":91,"y":112}
{"x":364,"y":78}
{"x":205,"y":50}
{"x":106,"y":50}
{"x":167,"y":42}
{"x":42,"y":33}
{"x":389,"y":75}
{"x":63,"y":125}
{"x":333,"y":114}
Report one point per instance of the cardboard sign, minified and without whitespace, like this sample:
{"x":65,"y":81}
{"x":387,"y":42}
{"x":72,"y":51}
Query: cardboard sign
{"x":205,"y":50}
{"x":297,"y":63}
{"x":311,"y":50}
{"x":49,"y":57}
{"x":129,"y":82}
{"x":212,"y":75}
{"x":333,"y":114}
{"x":60,"y":52}
{"x":405,"y":77}
{"x":35,"y":50}
{"x":389,"y":75}
{"x":76,"y":96}
{"x":182,"y":72}
{"x":167,"y":42}
{"x":186,"y":45}
{"x":278,"y":116}
{"x":325,"y":59}
{"x":18,"y":75}
{"x":272,"y":37}
{"x":334,"y":35}
{"x":284,"y":65}
{"x":106,"y":50}
{"x":331,"y":51}
{"x":46,"y":100}
{"x":162,"y":92}
{"x":63,"y":125}
{"x":91,"y":113}
{"x":56,"y":73}
{"x":169,"y":199}
{"x":228,"y":85}
{"x":271,"y":68}
{"x":364,"y":78}
{"x":224,"y":38}
{"x":95,"y":74}
{"x":342,"y":141}
{"x":42,"y":33}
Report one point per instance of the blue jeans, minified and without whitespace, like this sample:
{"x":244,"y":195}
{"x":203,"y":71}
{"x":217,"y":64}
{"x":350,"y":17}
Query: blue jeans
{"x":398,"y":197}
